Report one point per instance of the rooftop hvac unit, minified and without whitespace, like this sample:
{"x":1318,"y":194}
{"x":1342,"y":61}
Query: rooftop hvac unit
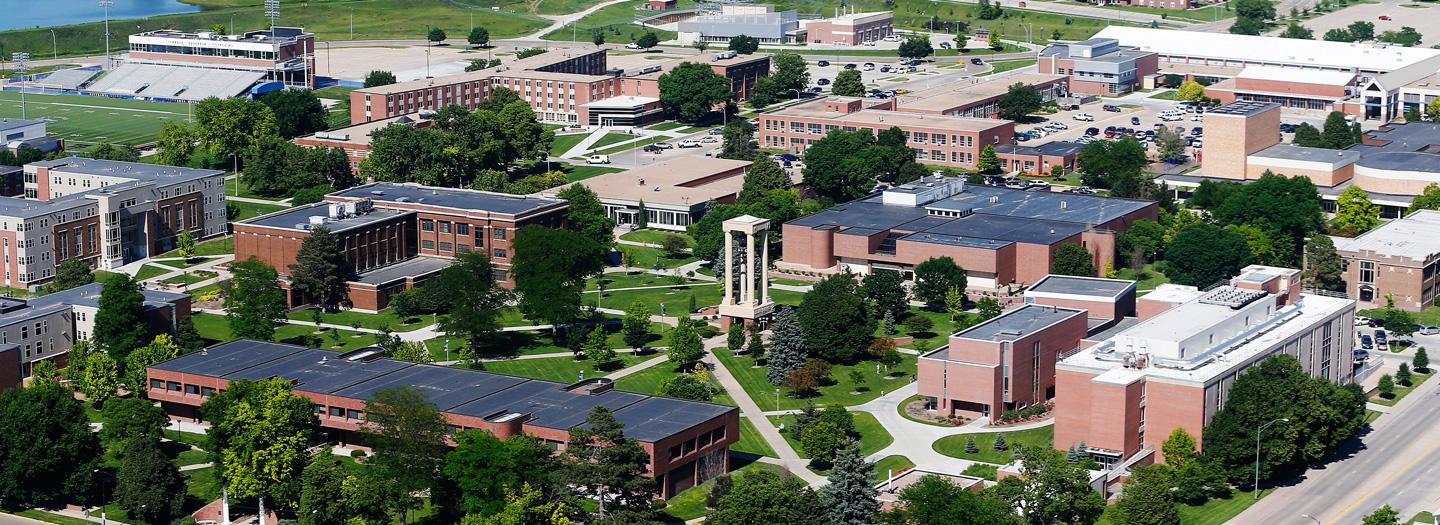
{"x":316,"y":220}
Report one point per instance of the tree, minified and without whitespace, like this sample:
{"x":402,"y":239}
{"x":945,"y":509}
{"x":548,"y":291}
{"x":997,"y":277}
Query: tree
{"x":408,"y":435}
{"x":587,"y":215}
{"x":71,"y":273}
{"x":1361,"y":30}
{"x":108,"y":151}
{"x":479,"y":37}
{"x":1386,"y":387}
{"x":550,"y":268}
{"x":821,"y":441}
{"x":258,"y":437}
{"x":1295,"y":30}
{"x":254,"y":302}
{"x":1112,"y":163}
{"x":1382,"y":516}
{"x":232,"y":126}
{"x":1338,"y":34}
{"x":1407,"y":36}
{"x":378,"y":77}
{"x":484,"y":468}
{"x":636,"y":325}
{"x":148,"y":485}
{"x":1321,"y":416}
{"x":175,"y":144}
{"x":1203,"y":254}
{"x":691,"y":89}
{"x":933,"y":500}
{"x":162,"y":348}
{"x":1402,"y":376}
{"x":685,"y":346}
{"x":47,"y":449}
{"x":435,"y":35}
{"x":988,"y":162}
{"x":743,"y":44}
{"x":322,"y":491}
{"x":936,"y":276}
{"x":132,"y":418}
{"x":848,"y":84}
{"x":597,"y":350}
{"x":1051,"y":490}
{"x":765,"y":496}
{"x":989,"y":308}
{"x":834,"y":318}
{"x":1398,"y":322}
{"x":686,"y":386}
{"x":994,"y":42}
{"x":916,"y":47}
{"x":756,"y":345}
{"x":836,"y":167}
{"x":1073,"y":259}
{"x":788,"y":349}
{"x":1336,"y":132}
{"x":609,"y":466}
{"x":597,"y":37}
{"x":1421,"y":361}
{"x":1169,"y":143}
{"x":472,"y":297}
{"x":885,"y":289}
{"x":1019,"y":101}
{"x":1147,"y":499}
{"x":321,"y":270}
{"x":789,"y":72}
{"x":735,"y":337}
{"x":1307,"y":136}
{"x":1290,"y":205}
{"x":850,"y":497}
{"x":1145,"y":239}
{"x":120,"y":325}
{"x":1354,"y":213}
{"x":1255,"y":9}
{"x":961,"y":40}
{"x":297,"y":111}
{"x":647,"y":40}
{"x":765,"y":176}
{"x":737,"y":142}
{"x":1179,"y":448}
{"x":1322,"y":264}
{"x":524,"y":506}
{"x":918,"y":324}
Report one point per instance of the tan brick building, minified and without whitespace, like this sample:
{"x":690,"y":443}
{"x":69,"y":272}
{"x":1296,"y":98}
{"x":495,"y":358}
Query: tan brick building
{"x":1396,"y":260}
{"x":939,"y":140}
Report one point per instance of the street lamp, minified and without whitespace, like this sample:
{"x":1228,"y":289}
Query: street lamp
{"x":106,"y":5}
{"x":22,"y":67}
{"x":1258,"y":431}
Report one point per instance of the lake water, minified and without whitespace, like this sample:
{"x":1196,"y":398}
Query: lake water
{"x":42,"y":13}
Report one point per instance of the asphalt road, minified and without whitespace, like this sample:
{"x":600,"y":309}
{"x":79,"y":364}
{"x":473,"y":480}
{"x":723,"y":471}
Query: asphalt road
{"x":1397,"y":464}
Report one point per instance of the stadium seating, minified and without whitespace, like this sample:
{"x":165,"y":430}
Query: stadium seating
{"x":65,"y":79}
{"x":175,"y":82}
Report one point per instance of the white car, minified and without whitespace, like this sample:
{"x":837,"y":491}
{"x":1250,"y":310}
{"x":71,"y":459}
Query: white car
{"x":1083,"y":117}
{"x":1197,"y":118}
{"x":632,"y":45}
{"x":709,"y":140}
{"x":598,"y":159}
{"x":1429,"y":330}
{"x":689,"y":143}
{"x":1057,"y":125}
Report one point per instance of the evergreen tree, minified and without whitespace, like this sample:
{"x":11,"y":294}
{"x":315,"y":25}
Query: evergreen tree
{"x":1386,"y":387}
{"x":970,"y":447}
{"x":607,"y":465}
{"x":1336,"y":133}
{"x":1307,"y":136}
{"x":888,"y":323}
{"x":1421,"y":361}
{"x":787,"y":346}
{"x":1322,"y":264}
{"x":850,"y":498}
{"x":642,"y":216}
{"x":988,"y":162}
{"x":120,"y":321}
{"x":321,"y":270}
{"x":1403,"y":375}
{"x":1000,"y":443}
{"x":756,"y":346}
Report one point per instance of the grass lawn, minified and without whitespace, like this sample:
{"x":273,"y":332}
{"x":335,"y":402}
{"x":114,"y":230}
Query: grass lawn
{"x":563,"y":143}
{"x":954,"y":446}
{"x":837,"y":391}
{"x":630,"y":145}
{"x":1428,"y":316}
{"x":939,"y":52}
{"x":251,"y":209}
{"x":981,"y":470}
{"x":378,"y":321}
{"x":183,"y":263}
{"x":611,"y":138}
{"x":1204,"y":14}
{"x":335,"y":92}
{"x":930,"y":339}
{"x":751,"y":442}
{"x":690,"y":504}
{"x":151,"y":270}
{"x":190,"y":278}
{"x":1218,"y":511}
{"x":215,"y":328}
{"x":1423,"y":517}
{"x":891,"y":465}
{"x":84,"y":120}
{"x":1372,"y":415}
{"x":559,"y":369}
{"x":656,"y":236}
{"x":1002,"y":66}
{"x":1165,"y":95}
{"x":614,"y":21}
{"x":579,"y":172}
{"x":913,"y":14}
{"x":1416,"y":380}
{"x":50,"y":517}
{"x":648,"y":381}
{"x":647,"y":257}
{"x":873,"y":437}
{"x":245,"y":191}
{"x":1145,"y":279}
{"x":202,"y":484}
{"x":614,"y":281}
{"x":666,"y":126}
{"x":222,"y":246}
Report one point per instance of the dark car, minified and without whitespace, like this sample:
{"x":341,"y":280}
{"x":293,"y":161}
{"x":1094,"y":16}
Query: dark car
{"x":651,"y":148}
{"x":849,"y":66}
{"x":1092,"y":131}
{"x":1287,"y":128}
{"x":1134,"y":121}
{"x":823,"y":81}
{"x":1111,"y":108}
{"x":1361,"y":355}
{"x":977,"y":61}
{"x":823,"y":63}
{"x":787,"y":157}
{"x":1381,"y":338}
{"x":1021,"y":137}
{"x":1366,"y":342}
{"x":1197,"y":131}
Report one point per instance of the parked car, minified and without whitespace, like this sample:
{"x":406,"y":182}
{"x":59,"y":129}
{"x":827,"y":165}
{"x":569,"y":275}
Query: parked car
{"x":868,"y":66}
{"x":1375,"y":322}
{"x":1197,"y":131}
{"x":709,"y":140}
{"x":632,"y":45}
{"x":889,"y":93}
{"x":1083,"y":117}
{"x":1366,"y":342}
{"x":946,"y":45}
{"x":1037,"y":185}
{"x":1090,"y":132}
{"x":651,"y":148}
{"x":1286,"y":127}
{"x":1428,"y":330}
{"x":823,"y":63}
{"x":664,"y":145}
{"x":1361,"y":320}
{"x":1385,"y":17}
{"x":885,"y":69}
{"x":822,"y":81}
{"x":1134,"y":121}
{"x":1361,"y":355}
{"x":1381,"y":338}
{"x":598,"y":159}
{"x":716,"y":131}
{"x":1111,"y":108}
{"x":817,"y":89}
{"x":849,"y":66}
{"x":977,"y":61}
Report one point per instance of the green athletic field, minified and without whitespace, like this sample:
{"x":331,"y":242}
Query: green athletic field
{"x":84,"y":120}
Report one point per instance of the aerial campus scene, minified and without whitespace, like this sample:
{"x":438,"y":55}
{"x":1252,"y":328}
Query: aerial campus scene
{"x":856,"y":262}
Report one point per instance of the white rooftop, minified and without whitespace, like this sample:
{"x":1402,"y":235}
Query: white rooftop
{"x":1290,"y":74}
{"x":1278,"y":51}
{"x":1416,"y":237}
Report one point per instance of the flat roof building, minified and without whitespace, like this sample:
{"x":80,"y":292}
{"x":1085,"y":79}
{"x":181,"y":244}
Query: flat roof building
{"x":280,"y":54}
{"x":676,"y":192}
{"x":1003,"y":238}
{"x":1099,"y":66}
{"x":936,"y":139}
{"x":850,"y":29}
{"x":688,"y":441}
{"x":354,"y":140}
{"x":979,"y":96}
{"x":1397,"y":259}
{"x":397,"y":235}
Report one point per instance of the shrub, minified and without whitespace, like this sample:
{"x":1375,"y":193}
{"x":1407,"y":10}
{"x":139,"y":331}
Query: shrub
{"x":357,"y":453}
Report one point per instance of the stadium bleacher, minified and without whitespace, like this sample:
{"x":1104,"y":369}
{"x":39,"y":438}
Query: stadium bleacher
{"x":174,"y":82}
{"x":70,"y":79}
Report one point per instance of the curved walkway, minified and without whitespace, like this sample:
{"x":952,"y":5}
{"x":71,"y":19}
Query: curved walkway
{"x":916,"y":440}
{"x":562,"y":20}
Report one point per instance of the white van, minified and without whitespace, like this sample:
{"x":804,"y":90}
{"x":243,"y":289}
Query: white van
{"x":598,"y":159}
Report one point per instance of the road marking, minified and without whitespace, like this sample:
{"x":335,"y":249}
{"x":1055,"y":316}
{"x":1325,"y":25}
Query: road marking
{"x":1386,"y":481}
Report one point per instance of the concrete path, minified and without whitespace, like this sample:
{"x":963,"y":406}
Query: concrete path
{"x":654,"y":361}
{"x":916,"y":440}
{"x":582,"y":147}
{"x":562,"y":20}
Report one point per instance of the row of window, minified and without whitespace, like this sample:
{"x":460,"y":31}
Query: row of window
{"x":696,"y":443}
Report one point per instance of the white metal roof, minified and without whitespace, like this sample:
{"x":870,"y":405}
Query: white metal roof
{"x":1290,"y":74}
{"x":1416,"y":237}
{"x":1280,"y":51}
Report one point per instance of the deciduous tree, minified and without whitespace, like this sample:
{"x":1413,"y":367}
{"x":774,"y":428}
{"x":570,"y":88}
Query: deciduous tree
{"x":1019,"y":101}
{"x":550,"y":268}
{"x":835,"y":167}
{"x":297,"y":111}
{"x":636,"y":324}
{"x":1354,"y":213}
{"x":765,"y":176}
{"x":685,"y":346}
{"x":764,"y":496}
{"x":886,"y":291}
{"x":834,"y":318}
{"x":1382,"y":516}
{"x":254,"y":302}
{"x":692,"y":89}
{"x":472,"y":297}
{"x":1073,"y":259}
{"x":71,"y":273}
{"x":258,"y":436}
{"x":120,"y":325}
{"x":479,"y":37}
{"x":1147,"y":499}
{"x":916,"y":47}
{"x":1203,"y":254}
{"x":1051,"y":490}
{"x":936,"y":276}
{"x":737,"y":142}
{"x":47,"y":449}
{"x":587,"y":215}
{"x":848,"y":83}
{"x":608,"y":465}
{"x":409,"y":438}
{"x":148,"y":485}
{"x":162,"y":348}
{"x":743,"y":44}
{"x":484,"y":468}
{"x":933,"y":500}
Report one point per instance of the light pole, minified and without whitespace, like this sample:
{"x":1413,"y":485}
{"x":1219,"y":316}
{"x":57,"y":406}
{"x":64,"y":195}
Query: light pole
{"x":272,"y":11}
{"x":106,"y":5}
{"x":21,"y":67}
{"x":1312,"y":518}
{"x":777,"y":399}
{"x":54,"y":47}
{"x":1258,"y":431}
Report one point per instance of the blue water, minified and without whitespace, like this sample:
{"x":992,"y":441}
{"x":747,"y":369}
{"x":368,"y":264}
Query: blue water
{"x":42,"y":13}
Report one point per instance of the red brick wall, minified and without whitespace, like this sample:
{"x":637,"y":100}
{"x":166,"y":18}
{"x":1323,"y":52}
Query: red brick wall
{"x":9,"y":369}
{"x":1170,"y":406}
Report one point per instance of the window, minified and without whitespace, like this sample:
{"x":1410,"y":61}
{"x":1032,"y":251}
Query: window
{"x":427,"y":245}
{"x":462,"y":248}
{"x":172,"y":386}
{"x":1367,"y":272}
{"x":498,"y":234}
{"x":462,"y":229}
{"x":207,"y":391}
{"x":351,"y":413}
{"x":501,"y":275}
{"x":445,"y":247}
{"x":157,"y":384}
{"x":718,"y":434}
{"x":192,"y":390}
{"x":444,"y":227}
{"x":337,"y":411}
{"x":427,"y":225}
{"x":500,"y":253}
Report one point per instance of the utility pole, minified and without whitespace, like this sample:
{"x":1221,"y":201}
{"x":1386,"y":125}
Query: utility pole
{"x":107,"y":4}
{"x":21,"y":67}
{"x":272,"y":11}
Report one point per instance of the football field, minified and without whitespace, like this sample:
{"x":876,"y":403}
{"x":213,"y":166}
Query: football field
{"x":84,"y":121}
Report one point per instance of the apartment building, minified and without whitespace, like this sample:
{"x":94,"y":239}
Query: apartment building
{"x":688,"y":441}
{"x":397,"y":235}
{"x":939,"y":140}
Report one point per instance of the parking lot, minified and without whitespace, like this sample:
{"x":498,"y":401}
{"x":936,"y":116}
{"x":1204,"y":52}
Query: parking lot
{"x":886,"y":73}
{"x":1129,"y":116}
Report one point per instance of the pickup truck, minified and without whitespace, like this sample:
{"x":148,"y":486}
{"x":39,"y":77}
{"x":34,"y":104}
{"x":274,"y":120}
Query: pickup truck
{"x":688,"y":143}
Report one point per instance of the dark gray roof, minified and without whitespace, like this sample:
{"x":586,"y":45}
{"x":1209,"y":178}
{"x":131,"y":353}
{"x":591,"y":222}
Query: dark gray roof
{"x":6,"y":170}
{"x":412,"y":267}
{"x":133,"y":170}
{"x":1110,"y":328}
{"x":298,"y":218}
{"x":1068,"y":207}
{"x":27,"y":208}
{"x":1059,"y":148}
{"x":7,"y":124}
{"x":1401,"y":161}
{"x":1092,"y":286}
{"x":981,"y":226}
{"x":457,"y":391}
{"x":1018,"y":322}
{"x":1243,"y":108}
{"x":466,"y":200}
{"x":89,"y":295}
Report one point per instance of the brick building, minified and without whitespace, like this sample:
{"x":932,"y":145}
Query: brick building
{"x":1039,"y":159}
{"x":106,"y":213}
{"x":1099,"y":66}
{"x":1173,"y":366}
{"x":569,"y":86}
{"x":979,"y":96}
{"x":936,"y":139}
{"x":1397,"y":259}
{"x":46,"y":327}
{"x":688,"y":441}
{"x":676,"y":192}
{"x":355,"y":139}
{"x":1003,"y":238}
{"x":282,"y":54}
{"x":851,"y":29}
{"x":398,"y":235}
{"x":1290,"y":88}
